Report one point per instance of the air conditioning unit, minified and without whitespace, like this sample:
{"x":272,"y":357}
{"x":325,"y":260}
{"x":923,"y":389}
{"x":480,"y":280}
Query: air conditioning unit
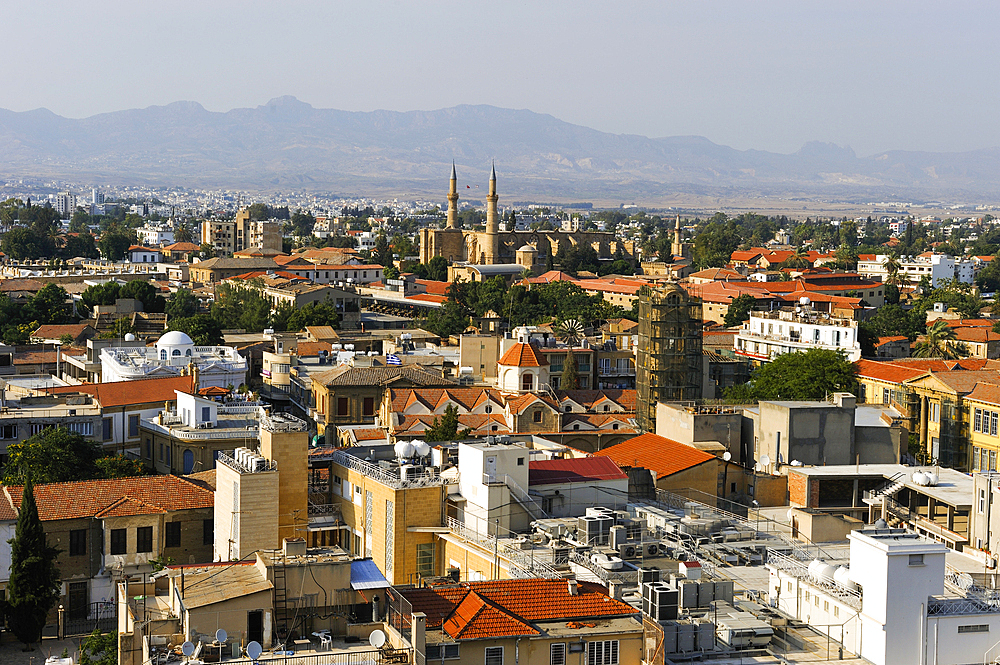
{"x":651,"y":549}
{"x":627,"y":551}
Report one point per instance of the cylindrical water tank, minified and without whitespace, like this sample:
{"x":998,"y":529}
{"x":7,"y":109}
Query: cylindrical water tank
{"x":932,"y":478}
{"x":403,"y":449}
{"x":824,"y":573}
{"x":421,"y":448}
{"x":919,"y":478}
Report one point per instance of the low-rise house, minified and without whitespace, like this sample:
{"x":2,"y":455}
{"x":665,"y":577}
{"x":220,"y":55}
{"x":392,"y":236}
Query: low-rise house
{"x":530,"y":621}
{"x":105,"y":529}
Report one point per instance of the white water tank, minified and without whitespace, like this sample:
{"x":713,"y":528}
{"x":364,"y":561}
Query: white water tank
{"x":403,"y":449}
{"x":920,"y":478}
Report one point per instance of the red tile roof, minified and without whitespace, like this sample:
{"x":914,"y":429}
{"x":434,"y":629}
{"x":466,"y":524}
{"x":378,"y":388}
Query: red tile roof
{"x":121,"y":393}
{"x":427,"y":297}
{"x":182,"y":247}
{"x":976,"y":335}
{"x":662,"y":456}
{"x":55,"y":331}
{"x":434,"y":287}
{"x":523,"y":355}
{"x":984,"y":392}
{"x":119,"y":497}
{"x":522,"y":601}
{"x":579,"y":470}
{"x":475,"y":618}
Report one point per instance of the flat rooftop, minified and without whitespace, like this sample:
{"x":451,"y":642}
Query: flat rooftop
{"x":954,"y":487}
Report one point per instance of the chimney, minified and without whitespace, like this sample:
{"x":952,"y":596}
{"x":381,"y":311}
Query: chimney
{"x":573,"y":591}
{"x":418,"y":640}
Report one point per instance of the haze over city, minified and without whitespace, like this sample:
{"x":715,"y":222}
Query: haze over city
{"x":767,"y":76}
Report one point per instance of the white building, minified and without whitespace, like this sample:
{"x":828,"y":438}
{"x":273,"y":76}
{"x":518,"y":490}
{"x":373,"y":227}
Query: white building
{"x":493,"y":480}
{"x":141,"y":254}
{"x":938,"y":268}
{"x":896,"y":603}
{"x":173,"y":354}
{"x":155,"y":235}
{"x":770,"y":334}
{"x":64,"y":203}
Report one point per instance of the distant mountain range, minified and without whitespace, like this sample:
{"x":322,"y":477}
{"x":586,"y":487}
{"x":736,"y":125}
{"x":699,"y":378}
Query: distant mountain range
{"x":288,"y":144}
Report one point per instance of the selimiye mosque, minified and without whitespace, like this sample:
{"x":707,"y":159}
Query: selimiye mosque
{"x":498,"y":245}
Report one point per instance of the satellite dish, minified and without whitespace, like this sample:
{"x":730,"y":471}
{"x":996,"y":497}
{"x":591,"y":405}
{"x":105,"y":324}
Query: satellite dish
{"x":221,"y":636}
{"x":965,"y":581}
{"x":187,"y":649}
{"x":377,"y":639}
{"x":254,"y":650}
{"x":764,"y":460}
{"x":756,"y":467}
{"x":727,"y":456}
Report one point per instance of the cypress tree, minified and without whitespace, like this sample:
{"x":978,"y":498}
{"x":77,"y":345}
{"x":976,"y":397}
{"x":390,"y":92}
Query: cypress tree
{"x":34,"y":580}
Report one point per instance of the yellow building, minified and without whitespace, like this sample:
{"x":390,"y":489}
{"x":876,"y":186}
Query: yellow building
{"x":389,"y":517}
{"x":983,"y":414}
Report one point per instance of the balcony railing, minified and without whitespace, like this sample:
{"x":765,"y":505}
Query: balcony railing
{"x":390,"y":478}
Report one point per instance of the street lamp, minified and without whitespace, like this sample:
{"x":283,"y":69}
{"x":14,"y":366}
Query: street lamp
{"x":756,"y":508}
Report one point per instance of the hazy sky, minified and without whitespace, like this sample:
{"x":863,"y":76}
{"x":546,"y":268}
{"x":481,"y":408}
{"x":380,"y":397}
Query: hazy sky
{"x":751,"y":74}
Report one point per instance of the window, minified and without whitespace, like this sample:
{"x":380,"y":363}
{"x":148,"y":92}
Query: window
{"x":536,"y":416}
{"x":975,"y":628}
{"x":885,"y":395}
{"x":133,"y":424}
{"x":172,"y":534}
{"x":163,"y":354}
{"x":434,"y":652}
{"x":557,"y":653}
{"x":176,"y":352}
{"x":836,"y":610}
{"x":935,"y":412}
{"x":207,"y":532}
{"x":144,"y":539}
{"x":85,"y":429}
{"x":342,"y":406}
{"x":993,"y":460}
{"x":119,"y":541}
{"x":527,"y":381}
{"x":368,"y":408}
{"x":77,"y":542}
{"x":602,"y":653}
{"x":977,"y":419}
{"x":993,"y":422}
{"x":35,"y":428}
{"x":8,"y":431}
{"x":425,"y":560}
{"x":982,"y":501}
{"x":520,"y":461}
{"x":916,"y":560}
{"x":494,"y":656}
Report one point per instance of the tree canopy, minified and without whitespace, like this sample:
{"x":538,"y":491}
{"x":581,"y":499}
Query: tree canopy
{"x":446,"y":428}
{"x":811,"y":375}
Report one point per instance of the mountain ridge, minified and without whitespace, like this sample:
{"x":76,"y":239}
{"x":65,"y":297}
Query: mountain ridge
{"x":289,"y":143}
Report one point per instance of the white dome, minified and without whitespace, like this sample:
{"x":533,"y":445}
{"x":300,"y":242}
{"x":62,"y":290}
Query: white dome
{"x":175,"y":338}
{"x":527,"y":248}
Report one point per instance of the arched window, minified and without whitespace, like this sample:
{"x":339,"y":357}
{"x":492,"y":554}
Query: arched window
{"x":188,"y":461}
{"x":188,"y":353}
{"x":527,"y":380}
{"x":176,"y":352}
{"x":567,"y":408}
{"x":607,"y":408}
{"x":163,"y":354}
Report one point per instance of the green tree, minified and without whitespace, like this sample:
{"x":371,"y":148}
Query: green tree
{"x":313,"y":314}
{"x":115,"y":242}
{"x":122,"y":326}
{"x":739,"y":310}
{"x":20,"y":243}
{"x":445,"y":428}
{"x":47,"y":306}
{"x":939,"y":342}
{"x":146,"y":293}
{"x":33,"y":587}
{"x":80,"y":222}
{"x":80,"y":245}
{"x":206,"y":251}
{"x":99,"y":649}
{"x":180,"y":304}
{"x":449,"y":320}
{"x":302,"y":224}
{"x":201,"y":328}
{"x":239,"y":306}
{"x":803,"y":376}
{"x":119,"y":466}
{"x":54,"y":455}
{"x":183,"y":233}
{"x":259,"y":212}
{"x":570,"y":332}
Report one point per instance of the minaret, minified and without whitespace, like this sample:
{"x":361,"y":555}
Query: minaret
{"x":453,"y":199}
{"x":678,"y":248}
{"x":492,"y":225}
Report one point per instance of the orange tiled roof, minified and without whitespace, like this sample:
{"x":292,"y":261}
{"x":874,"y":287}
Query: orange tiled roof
{"x":662,"y":456}
{"x":118,"y":497}
{"x":434,"y":287}
{"x":579,"y":470}
{"x":985,"y":392}
{"x":427,"y":297}
{"x":182,"y":247}
{"x":626,"y":397}
{"x":889,"y":372}
{"x":976,"y":335}
{"x":523,"y":355}
{"x":525,"y":600}
{"x":475,"y":618}
{"x":121,"y":393}
{"x":894,"y":338}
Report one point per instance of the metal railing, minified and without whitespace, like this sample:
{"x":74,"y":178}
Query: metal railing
{"x":919,"y":522}
{"x":624,"y":576}
{"x":800,"y":570}
{"x":367,"y":657}
{"x":239,"y":408}
{"x":230,"y":461}
{"x":200,"y":434}
{"x":425,"y":477}
{"x":520,"y":564}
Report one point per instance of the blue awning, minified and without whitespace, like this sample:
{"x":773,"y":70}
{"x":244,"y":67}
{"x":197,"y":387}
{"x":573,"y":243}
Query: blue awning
{"x":366,"y":575}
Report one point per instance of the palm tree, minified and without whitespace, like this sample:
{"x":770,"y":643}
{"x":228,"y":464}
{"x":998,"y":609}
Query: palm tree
{"x":892,"y":266}
{"x":798,"y":259}
{"x":939,"y":342}
{"x":570,"y":333}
